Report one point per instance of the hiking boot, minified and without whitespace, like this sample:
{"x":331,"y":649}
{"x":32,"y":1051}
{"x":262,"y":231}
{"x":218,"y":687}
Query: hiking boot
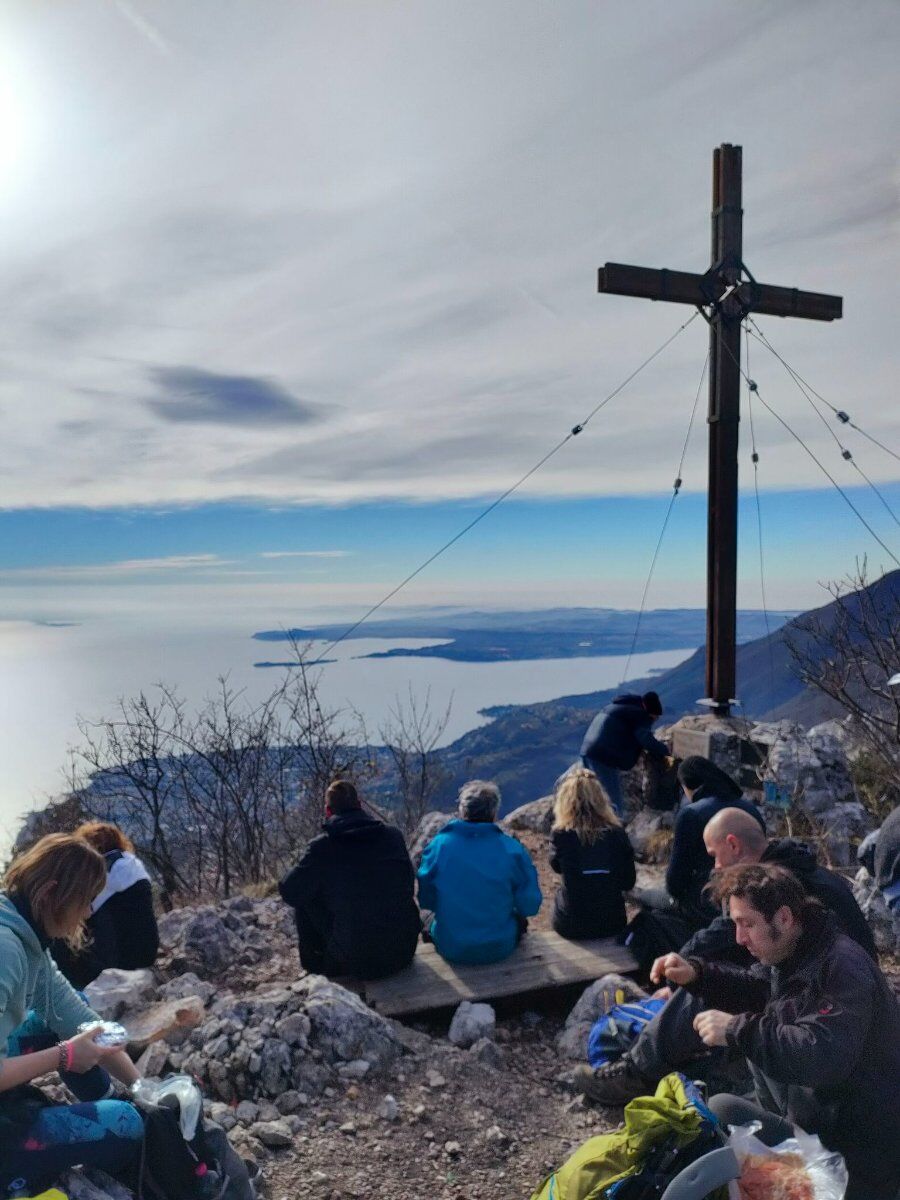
{"x":613,"y":1084}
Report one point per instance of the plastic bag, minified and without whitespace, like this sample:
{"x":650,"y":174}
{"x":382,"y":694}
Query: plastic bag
{"x":183,"y":1088}
{"x":797,"y":1169}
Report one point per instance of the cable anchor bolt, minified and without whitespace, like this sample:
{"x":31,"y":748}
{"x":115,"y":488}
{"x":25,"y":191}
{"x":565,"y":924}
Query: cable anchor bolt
{"x":754,"y":457}
{"x":751,"y":384}
{"x":576,"y":429}
{"x":847,"y":455}
{"x":843,"y":417}
{"x":677,"y":485}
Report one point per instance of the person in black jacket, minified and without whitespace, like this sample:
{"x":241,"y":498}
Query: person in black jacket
{"x":669,"y":1042}
{"x":815,"y":1018}
{"x":121,"y":929}
{"x":591,"y":850}
{"x":617,"y":737}
{"x":353,"y":894}
{"x":708,"y":790}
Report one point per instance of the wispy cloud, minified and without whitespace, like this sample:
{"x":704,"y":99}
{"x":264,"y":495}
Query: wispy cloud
{"x":124,"y":568}
{"x":304,"y":554}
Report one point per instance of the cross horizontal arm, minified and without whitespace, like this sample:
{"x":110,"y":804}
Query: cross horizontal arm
{"x":789,"y":302}
{"x":679,"y":287}
{"x":684,"y":287}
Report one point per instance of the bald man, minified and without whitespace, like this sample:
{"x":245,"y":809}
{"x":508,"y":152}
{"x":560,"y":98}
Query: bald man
{"x":670,"y":1042}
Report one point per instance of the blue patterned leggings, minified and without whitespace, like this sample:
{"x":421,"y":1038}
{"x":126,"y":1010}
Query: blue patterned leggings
{"x":95,"y":1133}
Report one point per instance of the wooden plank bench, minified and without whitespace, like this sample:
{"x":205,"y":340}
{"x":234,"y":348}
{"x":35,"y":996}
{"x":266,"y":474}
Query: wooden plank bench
{"x":541,"y":960}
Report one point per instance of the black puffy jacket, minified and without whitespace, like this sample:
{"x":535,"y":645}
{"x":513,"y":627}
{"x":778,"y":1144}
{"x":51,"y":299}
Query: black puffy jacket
{"x":356,"y":885}
{"x":823,"y":1030}
{"x":589,"y":903}
{"x":620,"y":733}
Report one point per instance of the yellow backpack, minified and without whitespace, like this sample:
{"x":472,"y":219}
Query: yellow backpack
{"x":662,"y":1134}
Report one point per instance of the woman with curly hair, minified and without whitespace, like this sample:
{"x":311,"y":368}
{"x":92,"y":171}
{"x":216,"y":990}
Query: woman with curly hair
{"x":591,"y":851}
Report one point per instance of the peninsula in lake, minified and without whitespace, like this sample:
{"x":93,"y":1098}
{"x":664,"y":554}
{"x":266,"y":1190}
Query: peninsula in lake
{"x":467,"y":636}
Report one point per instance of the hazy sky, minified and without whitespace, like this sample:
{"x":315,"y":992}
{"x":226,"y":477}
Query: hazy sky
{"x":328,"y":272}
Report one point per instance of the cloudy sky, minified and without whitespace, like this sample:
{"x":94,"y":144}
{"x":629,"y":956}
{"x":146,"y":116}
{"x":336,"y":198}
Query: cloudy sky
{"x":290,"y":289}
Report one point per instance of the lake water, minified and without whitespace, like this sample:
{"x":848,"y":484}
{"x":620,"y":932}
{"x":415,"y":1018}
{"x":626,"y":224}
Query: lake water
{"x":49,"y":674}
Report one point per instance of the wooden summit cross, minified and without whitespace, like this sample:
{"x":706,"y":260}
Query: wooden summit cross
{"x":730,"y":292}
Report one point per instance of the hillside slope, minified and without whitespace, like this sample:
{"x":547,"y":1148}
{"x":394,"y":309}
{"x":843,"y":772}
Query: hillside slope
{"x":526,"y":747}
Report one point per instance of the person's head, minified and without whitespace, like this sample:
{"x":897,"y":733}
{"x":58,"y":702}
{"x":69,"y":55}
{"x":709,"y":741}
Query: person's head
{"x":341,"y":797}
{"x":734,"y":837}
{"x":768,"y":906}
{"x":698,"y":774}
{"x":105,"y":837}
{"x":59,"y":877}
{"x":652,"y":704}
{"x":581,"y":804}
{"x":479,"y":800}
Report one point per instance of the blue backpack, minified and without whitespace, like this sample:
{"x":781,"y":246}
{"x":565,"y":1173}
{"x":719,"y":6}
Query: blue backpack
{"x":616,"y":1030}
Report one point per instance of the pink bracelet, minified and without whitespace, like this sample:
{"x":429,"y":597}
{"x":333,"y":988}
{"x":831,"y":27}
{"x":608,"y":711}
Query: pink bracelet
{"x":66,"y":1056}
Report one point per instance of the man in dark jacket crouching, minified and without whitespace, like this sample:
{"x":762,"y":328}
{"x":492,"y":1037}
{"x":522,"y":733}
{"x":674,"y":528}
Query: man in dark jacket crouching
{"x":816,"y":1020}
{"x":353,"y":894}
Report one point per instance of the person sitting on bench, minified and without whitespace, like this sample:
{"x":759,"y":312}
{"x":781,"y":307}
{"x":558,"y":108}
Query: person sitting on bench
{"x":591,"y":851}
{"x":353,"y":894}
{"x":480,"y":883}
{"x":669,"y":1042}
{"x":815,"y":1018}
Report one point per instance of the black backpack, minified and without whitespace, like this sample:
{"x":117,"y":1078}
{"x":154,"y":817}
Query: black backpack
{"x":205,"y":1168}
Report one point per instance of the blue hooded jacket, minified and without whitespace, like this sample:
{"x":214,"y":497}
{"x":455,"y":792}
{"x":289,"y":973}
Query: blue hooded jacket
{"x":477,"y":880}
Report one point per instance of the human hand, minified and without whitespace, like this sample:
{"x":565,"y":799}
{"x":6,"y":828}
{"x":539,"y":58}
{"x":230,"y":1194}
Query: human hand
{"x":712,"y":1027}
{"x":86,"y":1053}
{"x":672,"y":968}
{"x":663,"y":993}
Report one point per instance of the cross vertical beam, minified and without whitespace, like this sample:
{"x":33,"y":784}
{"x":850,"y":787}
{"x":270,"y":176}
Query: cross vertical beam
{"x":724,"y":418}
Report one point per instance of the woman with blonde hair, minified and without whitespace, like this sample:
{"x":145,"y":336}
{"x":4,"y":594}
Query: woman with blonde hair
{"x":591,"y":851}
{"x":47,"y":893}
{"x":122,"y":930}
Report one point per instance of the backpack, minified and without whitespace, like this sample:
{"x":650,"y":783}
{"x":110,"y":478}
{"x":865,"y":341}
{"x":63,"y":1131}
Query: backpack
{"x":652,"y":933}
{"x":615,"y":1031}
{"x":173,"y":1168}
{"x":663,"y":1134}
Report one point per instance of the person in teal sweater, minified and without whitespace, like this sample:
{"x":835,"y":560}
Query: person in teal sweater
{"x":47,"y":894}
{"x":479,"y":883}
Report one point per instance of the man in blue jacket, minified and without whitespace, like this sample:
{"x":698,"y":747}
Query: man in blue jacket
{"x":480,"y":883}
{"x":617,"y":737}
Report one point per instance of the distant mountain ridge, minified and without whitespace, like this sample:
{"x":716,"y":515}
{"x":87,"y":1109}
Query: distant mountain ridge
{"x":526,"y":747}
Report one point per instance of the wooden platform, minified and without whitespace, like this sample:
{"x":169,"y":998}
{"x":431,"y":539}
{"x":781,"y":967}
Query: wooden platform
{"x":542,"y":960}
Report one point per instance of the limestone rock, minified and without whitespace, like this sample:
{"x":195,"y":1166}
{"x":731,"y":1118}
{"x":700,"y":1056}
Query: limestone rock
{"x":114,"y":991}
{"x":471,"y":1022}
{"x":430,"y":825}
{"x":164,"y":1019}
{"x":646,"y":832}
{"x":884,"y":924}
{"x":187,"y":984}
{"x":152,"y":1062}
{"x":536,"y":817}
{"x":594,"y":1001}
{"x":388,"y":1109}
{"x":345,"y":1028}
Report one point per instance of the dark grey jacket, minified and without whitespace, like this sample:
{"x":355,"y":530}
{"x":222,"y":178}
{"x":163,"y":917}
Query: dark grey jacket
{"x":823,"y":1032}
{"x":620,"y":733}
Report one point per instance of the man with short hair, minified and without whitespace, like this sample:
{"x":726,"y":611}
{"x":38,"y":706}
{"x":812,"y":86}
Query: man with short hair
{"x":617,"y":737}
{"x":669,"y":1042}
{"x":815,"y":1018}
{"x":353,"y":894}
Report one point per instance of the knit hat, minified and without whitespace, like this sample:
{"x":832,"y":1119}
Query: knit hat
{"x":652,"y":703}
